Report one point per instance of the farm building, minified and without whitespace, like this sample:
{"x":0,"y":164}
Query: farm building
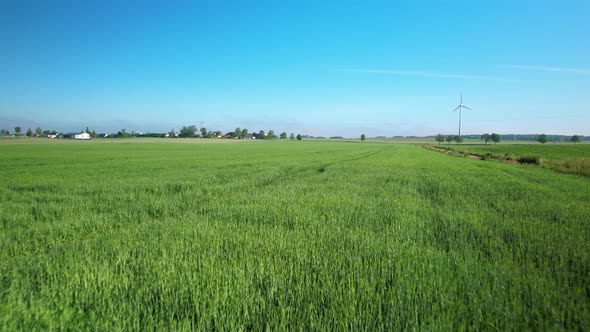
{"x":77,"y":135}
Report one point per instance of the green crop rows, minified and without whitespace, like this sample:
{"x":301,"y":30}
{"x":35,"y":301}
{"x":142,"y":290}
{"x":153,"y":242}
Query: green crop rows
{"x":287,"y":235}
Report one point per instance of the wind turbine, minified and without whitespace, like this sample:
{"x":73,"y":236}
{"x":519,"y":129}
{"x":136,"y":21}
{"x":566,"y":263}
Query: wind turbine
{"x":460,"y":108}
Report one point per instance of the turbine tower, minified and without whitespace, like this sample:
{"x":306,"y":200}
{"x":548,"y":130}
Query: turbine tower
{"x":460,"y":108}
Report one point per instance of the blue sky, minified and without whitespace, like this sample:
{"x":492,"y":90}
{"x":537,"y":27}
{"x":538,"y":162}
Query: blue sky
{"x":321,"y":68}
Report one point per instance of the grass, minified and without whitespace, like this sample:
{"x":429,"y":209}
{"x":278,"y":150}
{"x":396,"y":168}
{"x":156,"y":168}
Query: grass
{"x":287,"y":235}
{"x":547,"y":151}
{"x":564,"y":158}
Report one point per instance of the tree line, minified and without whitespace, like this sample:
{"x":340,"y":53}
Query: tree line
{"x":496,"y":138}
{"x":185,"y":132}
{"x":238,"y":133}
{"x":544,"y":139}
{"x":37,"y":132}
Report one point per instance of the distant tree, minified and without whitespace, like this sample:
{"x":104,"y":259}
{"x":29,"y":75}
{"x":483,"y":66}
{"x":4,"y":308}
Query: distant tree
{"x":496,"y":138}
{"x":283,"y":135}
{"x":458,"y":139}
{"x":46,"y":132}
{"x":292,"y":136}
{"x":439,"y":138}
{"x":486,"y":137}
{"x":542,"y":139}
{"x":38,"y":131}
{"x":238,"y":133}
{"x":449,"y":138}
{"x":87,"y":130}
{"x":17,"y":130}
{"x":204,"y":132}
{"x":363,"y":137}
{"x":192,"y":131}
{"x":575,"y":139}
{"x":4,"y":132}
{"x":29,"y":132}
{"x":189,"y":131}
{"x":244,"y":133}
{"x":261,"y":135}
{"x":271,"y":134}
{"x":299,"y":137}
{"x":93,"y":134}
{"x":123,"y":134}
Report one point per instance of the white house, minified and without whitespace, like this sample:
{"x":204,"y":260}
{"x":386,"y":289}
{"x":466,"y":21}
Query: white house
{"x":82,"y":136}
{"x":77,"y":135}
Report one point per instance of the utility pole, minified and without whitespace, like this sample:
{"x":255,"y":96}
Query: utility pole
{"x":201,"y":131}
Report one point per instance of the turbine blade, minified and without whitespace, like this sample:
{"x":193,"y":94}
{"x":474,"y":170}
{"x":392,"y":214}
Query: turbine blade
{"x":467,"y":108}
{"x":458,"y":107}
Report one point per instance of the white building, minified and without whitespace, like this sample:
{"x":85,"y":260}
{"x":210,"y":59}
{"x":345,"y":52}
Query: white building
{"x":82,"y":136}
{"x":77,"y":135}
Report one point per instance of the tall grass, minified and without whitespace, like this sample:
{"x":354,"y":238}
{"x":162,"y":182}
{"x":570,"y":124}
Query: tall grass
{"x":287,"y":235}
{"x":564,"y":158}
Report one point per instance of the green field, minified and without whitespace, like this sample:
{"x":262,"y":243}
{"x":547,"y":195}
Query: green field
{"x":287,"y":235}
{"x":565,"y":158}
{"x":548,"y":151}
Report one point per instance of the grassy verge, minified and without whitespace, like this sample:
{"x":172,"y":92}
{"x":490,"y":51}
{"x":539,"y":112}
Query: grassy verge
{"x":572,"y":159}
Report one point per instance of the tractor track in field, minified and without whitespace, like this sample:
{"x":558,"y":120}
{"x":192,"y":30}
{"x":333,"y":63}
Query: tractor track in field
{"x":362,"y":156}
{"x":321,"y":167}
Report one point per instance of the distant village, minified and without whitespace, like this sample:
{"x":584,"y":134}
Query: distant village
{"x":185,"y":132}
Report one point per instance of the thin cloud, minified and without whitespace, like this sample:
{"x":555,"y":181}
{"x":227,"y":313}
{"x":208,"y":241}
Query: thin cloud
{"x":571,"y":116}
{"x":581,"y":71}
{"x":425,"y":74}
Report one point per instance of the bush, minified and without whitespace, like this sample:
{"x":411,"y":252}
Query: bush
{"x":531,"y":160}
{"x":487,"y":156}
